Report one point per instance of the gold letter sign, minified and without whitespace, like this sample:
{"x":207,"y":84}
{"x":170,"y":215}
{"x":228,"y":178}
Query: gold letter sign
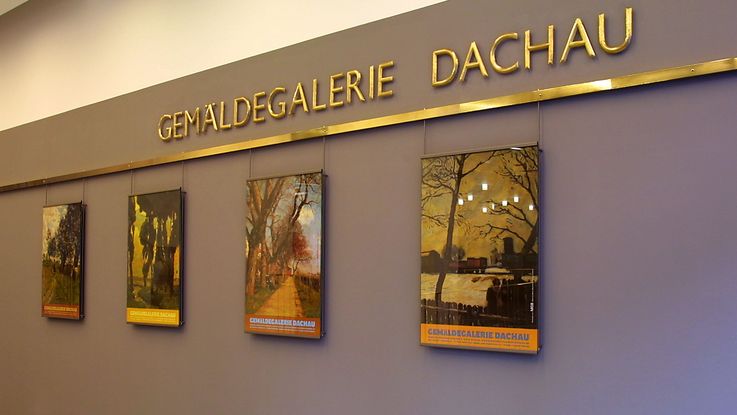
{"x":335,"y":91}
{"x":445,"y":62}
{"x":504,"y":55}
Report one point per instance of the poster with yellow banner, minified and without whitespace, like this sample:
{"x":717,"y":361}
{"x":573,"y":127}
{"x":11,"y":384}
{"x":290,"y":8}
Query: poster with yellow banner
{"x":479,"y":250}
{"x":154,"y":275}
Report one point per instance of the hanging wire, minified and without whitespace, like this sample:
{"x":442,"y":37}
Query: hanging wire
{"x":46,"y":195}
{"x":84,"y":185}
{"x":324,"y":156}
{"x":539,"y":124}
{"x":424,"y":137}
{"x":250,"y":163}
{"x":181,"y":184}
{"x":132,"y":183}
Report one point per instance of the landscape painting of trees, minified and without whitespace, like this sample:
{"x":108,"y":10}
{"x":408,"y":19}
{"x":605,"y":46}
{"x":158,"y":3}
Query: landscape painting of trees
{"x":480,"y":248}
{"x":154,"y":277}
{"x":284,"y":279}
{"x":62,"y":261}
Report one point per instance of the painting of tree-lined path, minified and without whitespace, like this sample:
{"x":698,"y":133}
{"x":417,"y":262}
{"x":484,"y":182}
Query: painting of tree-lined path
{"x":62,"y":261}
{"x":479,"y":253}
{"x":284,"y":246}
{"x":154,"y":250}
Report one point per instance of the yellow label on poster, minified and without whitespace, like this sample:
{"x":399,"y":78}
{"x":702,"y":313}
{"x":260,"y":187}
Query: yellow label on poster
{"x":477,"y":337}
{"x":154,"y":316}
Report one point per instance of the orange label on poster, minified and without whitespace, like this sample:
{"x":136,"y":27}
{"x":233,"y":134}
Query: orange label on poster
{"x":154,"y":316}
{"x":284,"y":326}
{"x":476,"y":337}
{"x":60,"y":310}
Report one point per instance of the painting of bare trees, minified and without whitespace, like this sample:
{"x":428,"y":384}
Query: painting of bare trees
{"x":154,"y":277}
{"x":284,"y":255}
{"x":62,"y":260}
{"x":480,"y":245}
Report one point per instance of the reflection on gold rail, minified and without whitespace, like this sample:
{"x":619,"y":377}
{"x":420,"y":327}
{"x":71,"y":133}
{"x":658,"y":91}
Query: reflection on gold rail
{"x":626,"y":81}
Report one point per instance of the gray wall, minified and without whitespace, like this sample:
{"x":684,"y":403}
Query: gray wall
{"x":638,"y":267}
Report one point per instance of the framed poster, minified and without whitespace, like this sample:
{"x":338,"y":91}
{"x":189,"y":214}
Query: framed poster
{"x":479,"y":250}
{"x":62,"y":262}
{"x":284,"y":270}
{"x":155,"y":250}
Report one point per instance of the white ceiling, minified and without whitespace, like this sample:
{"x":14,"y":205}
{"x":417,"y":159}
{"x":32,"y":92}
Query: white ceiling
{"x":75,"y":53}
{"x":8,"y":5}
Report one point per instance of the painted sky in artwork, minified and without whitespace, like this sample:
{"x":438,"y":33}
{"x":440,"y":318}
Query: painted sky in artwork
{"x":310,"y":216}
{"x":138,"y":247}
{"x":483,"y":193}
{"x":51,"y":217}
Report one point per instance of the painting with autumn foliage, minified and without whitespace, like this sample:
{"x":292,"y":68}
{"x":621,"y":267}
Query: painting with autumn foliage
{"x":479,"y":250}
{"x":62,"y":261}
{"x":154,"y":277}
{"x":284,"y":278}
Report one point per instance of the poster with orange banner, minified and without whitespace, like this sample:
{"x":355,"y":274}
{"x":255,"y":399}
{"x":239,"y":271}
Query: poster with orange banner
{"x":284,"y":272}
{"x":155,"y":244}
{"x":480,"y":247}
{"x":62,"y":261}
